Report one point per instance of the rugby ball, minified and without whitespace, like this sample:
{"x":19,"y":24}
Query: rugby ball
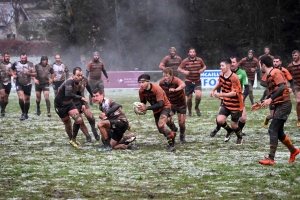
{"x":136,"y":110}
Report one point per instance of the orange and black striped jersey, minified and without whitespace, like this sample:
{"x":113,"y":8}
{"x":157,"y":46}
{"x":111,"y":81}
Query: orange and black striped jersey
{"x":295,"y":72}
{"x":285,"y":72}
{"x":274,"y":78}
{"x":231,"y":84}
{"x":176,"y":98}
{"x":153,"y":95}
{"x":193,"y":66}
{"x":172,"y":62}
{"x":247,"y":64}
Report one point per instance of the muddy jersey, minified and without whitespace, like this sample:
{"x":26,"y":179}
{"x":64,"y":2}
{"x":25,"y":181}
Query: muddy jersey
{"x":67,"y":92}
{"x":295,"y":72}
{"x":247,"y":64}
{"x":95,"y":68}
{"x":193,"y":66}
{"x":153,"y":95}
{"x":274,"y":78}
{"x":176,"y":98}
{"x":117,"y":115}
{"x":5,"y":76}
{"x":20,"y":68}
{"x":231,"y":84}
{"x":82,"y":85}
{"x":43,"y":73}
{"x":60,"y":71}
{"x":172,"y":62}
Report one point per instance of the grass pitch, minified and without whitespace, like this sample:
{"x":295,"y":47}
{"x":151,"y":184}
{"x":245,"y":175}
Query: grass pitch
{"x":37,"y":161}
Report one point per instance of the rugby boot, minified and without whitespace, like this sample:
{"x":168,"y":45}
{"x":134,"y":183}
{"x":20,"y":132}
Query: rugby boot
{"x":182,"y":138}
{"x":228,"y":135}
{"x":198,"y":112}
{"x":38,"y":112}
{"x":266,"y":161}
{"x":22,"y":118}
{"x":214,"y":132}
{"x":293,"y":155}
{"x":129,"y":140}
{"x":2,"y":112}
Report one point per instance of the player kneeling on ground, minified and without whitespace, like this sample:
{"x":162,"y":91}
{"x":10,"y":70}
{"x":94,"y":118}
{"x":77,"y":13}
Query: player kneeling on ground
{"x":113,"y":123}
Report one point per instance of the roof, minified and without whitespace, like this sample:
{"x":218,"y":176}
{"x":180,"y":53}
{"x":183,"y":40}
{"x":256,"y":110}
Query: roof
{"x":7,"y":13}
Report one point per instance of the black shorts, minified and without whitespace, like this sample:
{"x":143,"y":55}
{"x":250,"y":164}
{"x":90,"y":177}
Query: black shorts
{"x":119,"y":127}
{"x":7,"y":88}
{"x":282,"y":110}
{"x":178,"y":110}
{"x":25,"y":88}
{"x":96,"y":84}
{"x":63,"y":111}
{"x":57,"y":84}
{"x":42,"y":87}
{"x":165,"y":111}
{"x":235,"y":114}
{"x":190,"y":87}
{"x":78,"y":105}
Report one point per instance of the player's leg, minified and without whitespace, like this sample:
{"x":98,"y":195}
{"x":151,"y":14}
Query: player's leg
{"x":251,"y":97}
{"x":242,"y":120}
{"x":221,"y":121}
{"x":46,"y":92}
{"x":235,"y":116}
{"x":2,"y":102}
{"x":21,"y":100}
{"x":189,"y":89}
{"x":27,"y":93}
{"x":216,"y":130}
{"x":198,"y":94}
{"x":181,"y":121}
{"x":162,"y":128}
{"x":38,"y":92}
{"x":170,"y":122}
{"x":104,"y":126}
{"x":91,"y":119}
{"x":73,"y":112}
{"x":297,"y":95}
{"x":7,"y":89}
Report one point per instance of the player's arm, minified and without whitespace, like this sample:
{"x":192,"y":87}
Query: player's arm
{"x":181,"y":68}
{"x":113,"y":106}
{"x":180,"y":83}
{"x":244,"y":82}
{"x":157,"y":105}
{"x":69,"y":91}
{"x":257,"y":68}
{"x":12,"y":70}
{"x":67,"y":71}
{"x":89,"y":89}
{"x":88,"y":67}
{"x":278,"y":92}
{"x":105,"y":73}
{"x":203,"y":68}
{"x":32,"y":71}
{"x":162,"y":64}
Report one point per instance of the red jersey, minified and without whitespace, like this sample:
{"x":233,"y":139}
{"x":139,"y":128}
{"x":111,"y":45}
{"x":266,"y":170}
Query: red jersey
{"x":247,"y":64}
{"x":295,"y":72}
{"x":95,"y":69}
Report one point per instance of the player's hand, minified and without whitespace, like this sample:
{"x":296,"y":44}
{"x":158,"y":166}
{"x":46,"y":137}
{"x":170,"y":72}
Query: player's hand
{"x":212,"y":93}
{"x":84,"y":99}
{"x":252,"y":69}
{"x":107,"y":80}
{"x":36,"y":81}
{"x":290,"y":90}
{"x":172,"y":90}
{"x":266,"y":103}
{"x":50,"y":81}
{"x":186,"y":73}
{"x":83,"y":108}
{"x":129,"y":127}
{"x":102,"y":116}
{"x":142,"y":107}
{"x":218,"y":95}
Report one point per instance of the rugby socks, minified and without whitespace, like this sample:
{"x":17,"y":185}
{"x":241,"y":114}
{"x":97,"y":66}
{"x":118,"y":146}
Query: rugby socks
{"x":273,"y":148}
{"x":171,"y":139}
{"x":218,"y":127}
{"x":38,"y":105}
{"x":226,"y":127}
{"x":2,"y":105}
{"x":197,"y":102}
{"x":92,"y":124}
{"x":48,"y":104}
{"x":21,"y":103}
{"x":238,"y":132}
{"x":251,"y":97}
{"x":241,"y":125}
{"x":75,"y":130}
{"x":288,"y":143}
{"x":26,"y":108}
{"x":189,"y":105}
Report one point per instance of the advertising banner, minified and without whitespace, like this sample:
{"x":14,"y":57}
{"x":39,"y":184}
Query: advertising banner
{"x":123,"y":79}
